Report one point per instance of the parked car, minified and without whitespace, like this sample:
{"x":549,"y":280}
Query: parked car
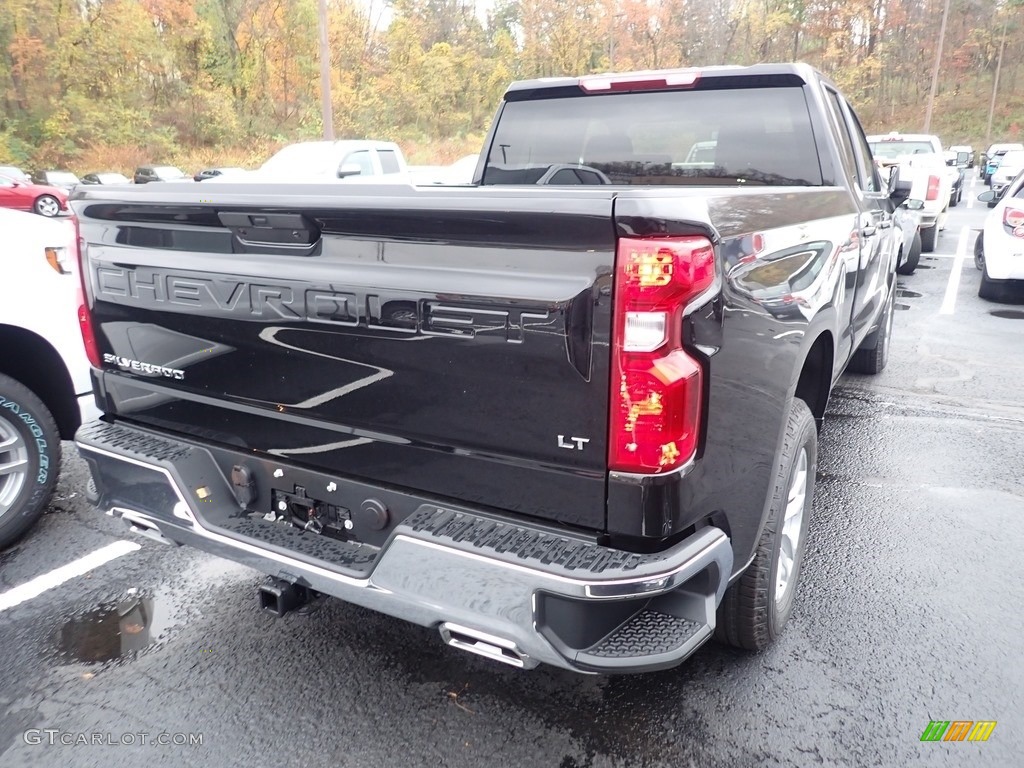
{"x":65,"y":180}
{"x":920,"y":159}
{"x":105,"y":177}
{"x":964,"y":155}
{"x":13,"y":172}
{"x":1010,"y":165}
{"x":989,"y":161}
{"x":45,"y":389}
{"x":603,"y":453}
{"x":148,"y":173}
{"x":956,"y":191}
{"x":209,"y":173}
{"x":999,"y":249}
{"x":26,"y":196}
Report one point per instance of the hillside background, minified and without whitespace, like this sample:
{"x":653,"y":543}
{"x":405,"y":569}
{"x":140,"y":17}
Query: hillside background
{"x":110,"y":84}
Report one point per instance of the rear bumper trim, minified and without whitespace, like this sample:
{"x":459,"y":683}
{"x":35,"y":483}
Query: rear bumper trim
{"x":527,"y":593}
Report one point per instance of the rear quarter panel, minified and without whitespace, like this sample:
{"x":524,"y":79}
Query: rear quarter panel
{"x":790,"y":267}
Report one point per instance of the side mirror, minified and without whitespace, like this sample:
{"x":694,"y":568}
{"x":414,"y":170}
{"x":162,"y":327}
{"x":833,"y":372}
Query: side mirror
{"x":951,"y":161}
{"x":349,"y":169}
{"x":987,"y":197}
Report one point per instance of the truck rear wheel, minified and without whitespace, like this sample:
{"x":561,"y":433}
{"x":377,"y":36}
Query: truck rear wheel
{"x":29,"y":459}
{"x":757,"y":606}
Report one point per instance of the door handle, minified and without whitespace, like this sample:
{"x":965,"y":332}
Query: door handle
{"x":885,"y":224}
{"x":868,"y":231}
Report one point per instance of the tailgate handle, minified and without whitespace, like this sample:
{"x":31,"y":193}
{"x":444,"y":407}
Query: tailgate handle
{"x":290,"y":233}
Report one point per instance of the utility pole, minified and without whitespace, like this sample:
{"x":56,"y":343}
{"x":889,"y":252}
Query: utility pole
{"x":995,"y":84}
{"x":935,"y":71}
{"x":325,"y":75}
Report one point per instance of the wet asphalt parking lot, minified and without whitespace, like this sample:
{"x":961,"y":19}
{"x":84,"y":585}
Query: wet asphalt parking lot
{"x":909,"y":610}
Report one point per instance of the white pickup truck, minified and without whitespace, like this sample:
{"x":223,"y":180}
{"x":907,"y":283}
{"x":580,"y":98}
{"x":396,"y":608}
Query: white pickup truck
{"x":45,"y":388}
{"x":920,"y":157}
{"x":308,"y":161}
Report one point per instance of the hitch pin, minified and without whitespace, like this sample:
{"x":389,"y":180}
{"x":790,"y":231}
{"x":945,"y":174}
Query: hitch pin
{"x":313,"y":525}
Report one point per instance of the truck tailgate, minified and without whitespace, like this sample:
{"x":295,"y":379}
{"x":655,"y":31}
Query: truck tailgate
{"x":447,"y":341}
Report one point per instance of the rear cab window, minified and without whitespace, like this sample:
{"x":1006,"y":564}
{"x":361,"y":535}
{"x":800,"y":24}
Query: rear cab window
{"x":758,"y":136}
{"x":389,"y":161}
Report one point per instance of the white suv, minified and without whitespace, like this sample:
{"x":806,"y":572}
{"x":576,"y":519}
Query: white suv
{"x":45,"y":387}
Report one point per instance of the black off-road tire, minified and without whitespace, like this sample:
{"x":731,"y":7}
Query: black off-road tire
{"x":750,"y":616}
{"x":928,"y":238}
{"x":913,"y":257}
{"x":29,"y":440}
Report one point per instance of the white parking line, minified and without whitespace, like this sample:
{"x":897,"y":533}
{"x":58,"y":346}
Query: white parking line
{"x":954,"y":274}
{"x":970,"y":193}
{"x":58,"y":576}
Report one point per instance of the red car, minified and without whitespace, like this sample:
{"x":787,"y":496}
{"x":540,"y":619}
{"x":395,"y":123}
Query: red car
{"x":26,"y":196}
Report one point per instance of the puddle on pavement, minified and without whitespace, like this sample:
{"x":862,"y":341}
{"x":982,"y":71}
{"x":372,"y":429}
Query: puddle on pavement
{"x":900,"y":306}
{"x":903,"y":293}
{"x":115,"y":630}
{"x":1008,"y":314}
{"x":925,"y":266}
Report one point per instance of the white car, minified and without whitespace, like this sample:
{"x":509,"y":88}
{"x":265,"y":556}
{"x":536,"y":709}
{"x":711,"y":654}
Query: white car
{"x":999,"y":252}
{"x":45,"y":386}
{"x":920,"y":157}
{"x":1011,"y":164}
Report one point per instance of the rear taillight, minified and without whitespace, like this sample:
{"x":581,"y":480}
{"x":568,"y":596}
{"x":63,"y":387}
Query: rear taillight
{"x":1013,"y":220}
{"x":933,"y":188}
{"x":656,"y":386}
{"x":84,"y":316}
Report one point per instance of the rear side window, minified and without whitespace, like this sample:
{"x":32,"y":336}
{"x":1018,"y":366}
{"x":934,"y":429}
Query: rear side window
{"x":755,"y":136}
{"x":388,"y":160}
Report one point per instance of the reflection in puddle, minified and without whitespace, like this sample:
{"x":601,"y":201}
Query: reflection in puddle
{"x":900,"y":306}
{"x":114,"y":630}
{"x":905,"y":294}
{"x":1008,"y":314}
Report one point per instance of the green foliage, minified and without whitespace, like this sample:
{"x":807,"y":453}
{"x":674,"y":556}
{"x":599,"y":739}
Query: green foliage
{"x":119,"y":82}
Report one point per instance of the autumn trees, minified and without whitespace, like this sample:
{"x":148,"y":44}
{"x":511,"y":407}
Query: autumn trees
{"x":157,"y":79}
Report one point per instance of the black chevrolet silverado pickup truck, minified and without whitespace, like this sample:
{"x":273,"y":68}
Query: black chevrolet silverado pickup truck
{"x":566,"y":414}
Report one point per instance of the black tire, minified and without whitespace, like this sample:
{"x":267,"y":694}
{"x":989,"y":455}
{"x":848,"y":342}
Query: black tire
{"x":873,"y":354}
{"x":989,"y":289}
{"x":979,"y":251}
{"x":913,"y":257}
{"x":753,"y":612}
{"x":28,"y":439}
{"x":954,"y":198}
{"x":928,"y":238}
{"x":46,"y":205}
